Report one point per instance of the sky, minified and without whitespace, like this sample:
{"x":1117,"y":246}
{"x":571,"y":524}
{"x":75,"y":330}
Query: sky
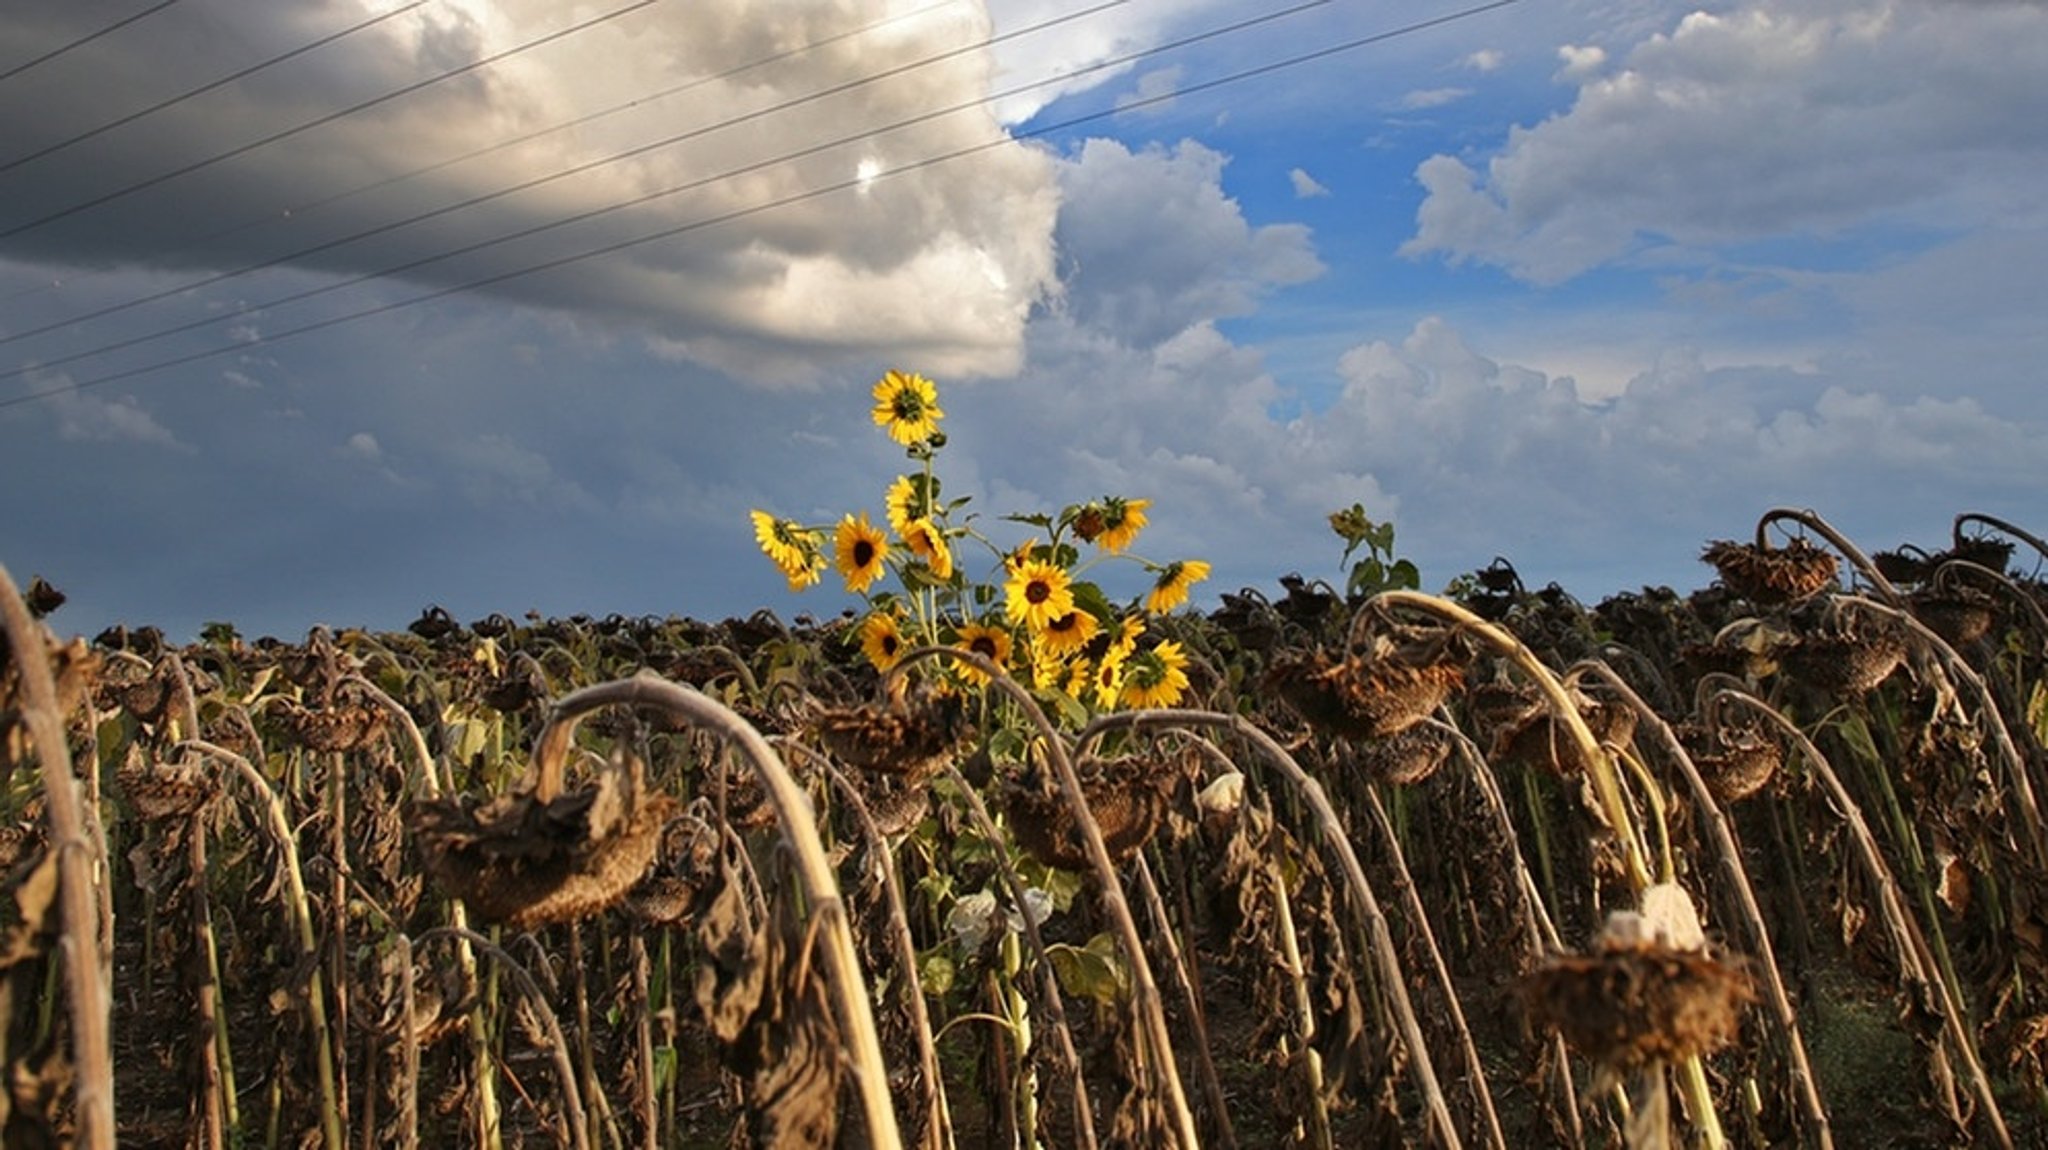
{"x":325,"y":312}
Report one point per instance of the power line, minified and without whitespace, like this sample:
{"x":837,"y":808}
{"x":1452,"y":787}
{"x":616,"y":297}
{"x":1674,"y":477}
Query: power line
{"x":779,"y":202}
{"x":82,"y":41}
{"x":199,"y":91}
{"x":527,"y":185}
{"x":320,"y":121}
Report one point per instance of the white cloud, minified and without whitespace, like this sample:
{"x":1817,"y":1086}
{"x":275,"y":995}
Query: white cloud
{"x":87,"y":418}
{"x":1580,"y":61}
{"x":363,"y":445}
{"x":1486,"y":60}
{"x":754,"y":280}
{"x":1306,"y":187}
{"x":1154,"y":246}
{"x":1773,"y":120}
{"x":1422,"y":98}
{"x":1154,"y":91}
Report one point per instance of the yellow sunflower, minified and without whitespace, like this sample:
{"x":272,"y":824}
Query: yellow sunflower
{"x":908,"y":407}
{"x":1124,"y":640}
{"x":808,"y":575}
{"x":1155,"y":678}
{"x":928,"y":543}
{"x":1068,"y":633}
{"x":881,"y":640}
{"x":1038,"y":592}
{"x":795,"y":550}
{"x":1122,"y":519}
{"x":862,"y":548}
{"x":992,"y":643}
{"x":906,"y":501}
{"x":1107,"y":677}
{"x":1170,"y":588}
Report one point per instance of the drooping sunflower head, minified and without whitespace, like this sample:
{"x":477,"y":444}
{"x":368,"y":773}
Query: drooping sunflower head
{"x":928,"y":543}
{"x":910,"y":497}
{"x":1170,"y":586}
{"x":1155,"y":678}
{"x":881,"y":640}
{"x":794,"y":549}
{"x":1122,"y":519}
{"x":991,"y":643}
{"x":1037,"y":593}
{"x":862,"y":549}
{"x":1106,"y":677}
{"x":907,"y":406}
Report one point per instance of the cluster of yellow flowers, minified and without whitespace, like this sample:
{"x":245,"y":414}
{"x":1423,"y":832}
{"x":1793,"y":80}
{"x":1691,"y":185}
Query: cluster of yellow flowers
{"x":1053,"y":630}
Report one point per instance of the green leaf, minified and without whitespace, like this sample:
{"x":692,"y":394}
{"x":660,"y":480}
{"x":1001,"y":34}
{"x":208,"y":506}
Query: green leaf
{"x":1405,"y":575}
{"x":1089,"y":597}
{"x":1096,"y":970}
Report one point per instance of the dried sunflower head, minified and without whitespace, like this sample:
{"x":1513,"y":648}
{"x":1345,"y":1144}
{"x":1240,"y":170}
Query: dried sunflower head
{"x":1772,"y":577}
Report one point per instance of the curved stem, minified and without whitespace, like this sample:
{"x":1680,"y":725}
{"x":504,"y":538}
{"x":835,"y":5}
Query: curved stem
{"x":1915,"y":958}
{"x":1393,"y":980}
{"x":800,"y":834}
{"x":565,"y":1070}
{"x":1997,"y":524}
{"x":1812,"y":521}
{"x":939,"y":1117}
{"x":302,"y":919}
{"x":1601,"y":768}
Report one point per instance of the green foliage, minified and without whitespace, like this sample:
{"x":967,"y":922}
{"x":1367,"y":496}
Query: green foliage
{"x":1380,"y":570}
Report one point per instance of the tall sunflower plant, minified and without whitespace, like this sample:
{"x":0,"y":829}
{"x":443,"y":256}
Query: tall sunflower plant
{"x":1035,"y":616}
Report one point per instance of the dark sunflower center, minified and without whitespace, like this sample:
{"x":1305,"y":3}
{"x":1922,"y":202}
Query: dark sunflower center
{"x":907,"y":406}
{"x":1066,"y":622}
{"x":1037,"y":591}
{"x":983,"y":645}
{"x":890,"y":644}
{"x":863,"y":552}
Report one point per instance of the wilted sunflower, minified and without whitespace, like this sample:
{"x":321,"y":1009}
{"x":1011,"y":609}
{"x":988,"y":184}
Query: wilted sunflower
{"x":881,"y":640}
{"x":1170,"y":587}
{"x":927,"y":543}
{"x":862,"y":548}
{"x":1037,"y":593}
{"x":1068,"y":634}
{"x":992,"y":643}
{"x":908,"y":407}
{"x":1155,"y":678}
{"x":1122,"y":519}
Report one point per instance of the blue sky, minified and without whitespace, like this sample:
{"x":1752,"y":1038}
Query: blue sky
{"x":1585,"y":284}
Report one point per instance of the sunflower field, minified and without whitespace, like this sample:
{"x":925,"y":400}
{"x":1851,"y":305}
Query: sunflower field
{"x":998,"y":860}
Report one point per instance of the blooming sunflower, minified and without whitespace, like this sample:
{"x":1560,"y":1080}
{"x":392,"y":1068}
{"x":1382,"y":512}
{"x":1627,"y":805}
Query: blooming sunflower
{"x":929,"y":544}
{"x":1170,"y":588}
{"x":881,"y":640}
{"x":1038,"y":592}
{"x":862,"y":548}
{"x":1068,"y":633}
{"x":908,"y":407}
{"x":1155,"y":678}
{"x":992,"y":643}
{"x":1122,"y":519}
